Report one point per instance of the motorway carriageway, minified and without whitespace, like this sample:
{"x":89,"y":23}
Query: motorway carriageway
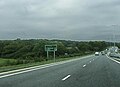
{"x":89,"y":71}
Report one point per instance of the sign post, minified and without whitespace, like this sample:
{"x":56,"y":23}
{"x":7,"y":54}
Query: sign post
{"x":50,"y":48}
{"x":54,"y":56}
{"x":47,"y":54}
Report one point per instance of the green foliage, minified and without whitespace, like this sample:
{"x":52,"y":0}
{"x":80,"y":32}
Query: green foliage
{"x":26,"y":51}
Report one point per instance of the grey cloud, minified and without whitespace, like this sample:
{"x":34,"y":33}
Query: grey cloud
{"x":62,"y":19}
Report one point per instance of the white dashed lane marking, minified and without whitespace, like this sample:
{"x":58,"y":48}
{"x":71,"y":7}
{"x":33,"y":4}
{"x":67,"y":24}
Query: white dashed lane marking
{"x":84,"y":65}
{"x":66,"y":77}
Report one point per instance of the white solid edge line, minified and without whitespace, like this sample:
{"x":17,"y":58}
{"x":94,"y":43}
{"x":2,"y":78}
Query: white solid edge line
{"x":25,"y":69}
{"x":36,"y":68}
{"x":22,"y":72}
{"x":113,"y":60}
{"x":66,"y":77}
{"x":13,"y":71}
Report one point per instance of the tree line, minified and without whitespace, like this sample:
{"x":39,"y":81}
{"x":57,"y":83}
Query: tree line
{"x":35,"y":49}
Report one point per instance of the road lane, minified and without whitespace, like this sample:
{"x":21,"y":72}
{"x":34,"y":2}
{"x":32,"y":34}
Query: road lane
{"x":102,"y":72}
{"x":44,"y":77}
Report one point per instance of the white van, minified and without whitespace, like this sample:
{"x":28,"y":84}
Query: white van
{"x":96,"y":53}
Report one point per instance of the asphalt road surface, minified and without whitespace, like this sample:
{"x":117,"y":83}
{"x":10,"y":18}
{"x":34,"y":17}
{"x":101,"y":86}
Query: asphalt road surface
{"x":95,"y":71}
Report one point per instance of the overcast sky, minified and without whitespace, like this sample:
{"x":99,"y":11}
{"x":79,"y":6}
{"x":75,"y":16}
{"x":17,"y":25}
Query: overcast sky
{"x":60,"y":19}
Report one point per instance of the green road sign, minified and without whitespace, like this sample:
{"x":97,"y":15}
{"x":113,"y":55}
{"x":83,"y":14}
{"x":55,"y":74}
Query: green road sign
{"x":51,"y":48}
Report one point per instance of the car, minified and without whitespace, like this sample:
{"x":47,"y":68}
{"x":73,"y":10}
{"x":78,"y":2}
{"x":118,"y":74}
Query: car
{"x":96,"y":53}
{"x":103,"y":53}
